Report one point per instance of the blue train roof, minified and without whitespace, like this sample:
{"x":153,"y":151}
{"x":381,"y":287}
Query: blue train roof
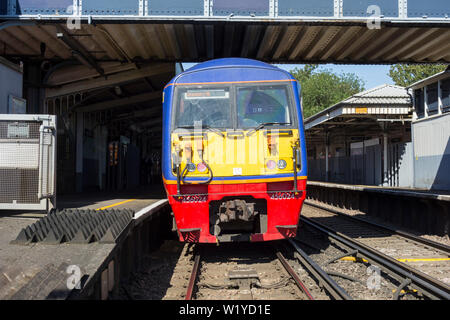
{"x":231,"y":62}
{"x":232,"y":69}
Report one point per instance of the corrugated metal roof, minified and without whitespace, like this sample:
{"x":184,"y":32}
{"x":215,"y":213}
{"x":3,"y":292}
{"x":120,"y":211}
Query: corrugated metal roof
{"x":288,"y":42}
{"x":383,"y":95}
{"x":387,"y":99}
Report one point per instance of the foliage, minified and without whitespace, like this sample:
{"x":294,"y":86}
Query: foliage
{"x":322,"y":88}
{"x":406,"y":74}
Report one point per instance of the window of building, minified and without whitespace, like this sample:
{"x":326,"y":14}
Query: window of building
{"x":445,"y":89}
{"x":432,"y":98}
{"x":419,"y":102}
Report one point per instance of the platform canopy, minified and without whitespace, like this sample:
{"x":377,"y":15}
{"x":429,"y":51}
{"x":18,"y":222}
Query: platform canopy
{"x":276,"y":31}
{"x":363,"y":113}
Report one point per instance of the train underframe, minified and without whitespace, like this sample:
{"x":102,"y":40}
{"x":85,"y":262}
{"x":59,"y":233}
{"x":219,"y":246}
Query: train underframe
{"x":237,"y":212}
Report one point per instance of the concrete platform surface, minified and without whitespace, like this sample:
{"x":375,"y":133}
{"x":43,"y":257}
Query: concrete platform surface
{"x":40,"y":271}
{"x":411,"y":192}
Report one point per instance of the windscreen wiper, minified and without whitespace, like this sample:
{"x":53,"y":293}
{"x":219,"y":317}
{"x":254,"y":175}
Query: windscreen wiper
{"x":262,"y":125}
{"x":204,"y":126}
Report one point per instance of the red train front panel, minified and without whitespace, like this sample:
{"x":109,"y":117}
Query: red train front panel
{"x":278,"y":220}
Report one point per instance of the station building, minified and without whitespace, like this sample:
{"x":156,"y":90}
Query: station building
{"x":431,"y":132}
{"x":387,"y":136}
{"x":11,"y":88}
{"x":364,"y":140}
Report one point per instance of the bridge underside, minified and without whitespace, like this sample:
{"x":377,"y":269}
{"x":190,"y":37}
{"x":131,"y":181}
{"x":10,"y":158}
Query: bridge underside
{"x":198,"y":41}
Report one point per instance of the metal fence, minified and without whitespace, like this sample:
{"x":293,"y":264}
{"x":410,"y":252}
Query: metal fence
{"x":365,"y":167}
{"x":400,"y":171}
{"x":340,"y":170}
{"x":27,"y":162}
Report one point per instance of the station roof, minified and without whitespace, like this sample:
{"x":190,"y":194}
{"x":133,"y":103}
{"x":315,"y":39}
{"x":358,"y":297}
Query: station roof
{"x":383,"y":101}
{"x":436,"y":77}
{"x":101,"y":55}
{"x":365,"y":114}
{"x":193,"y":41}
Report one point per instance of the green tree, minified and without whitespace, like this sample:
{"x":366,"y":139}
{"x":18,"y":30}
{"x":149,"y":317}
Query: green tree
{"x":322,"y":88}
{"x":406,"y":74}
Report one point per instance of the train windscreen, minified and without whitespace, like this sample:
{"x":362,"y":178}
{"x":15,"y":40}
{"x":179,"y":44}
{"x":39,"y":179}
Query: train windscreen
{"x":257,"y":105}
{"x":207,"y":106}
{"x":233,"y":107}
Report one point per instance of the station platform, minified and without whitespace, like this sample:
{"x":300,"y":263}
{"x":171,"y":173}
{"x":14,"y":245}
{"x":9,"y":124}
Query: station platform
{"x":426,"y":212}
{"x":410,"y":192}
{"x":42,"y":271}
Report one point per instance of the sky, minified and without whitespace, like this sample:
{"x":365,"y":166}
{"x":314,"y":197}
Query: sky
{"x":372,"y":75}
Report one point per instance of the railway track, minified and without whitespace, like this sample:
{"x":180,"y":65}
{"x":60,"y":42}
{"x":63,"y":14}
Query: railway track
{"x":332,"y":257}
{"x":411,"y":262}
{"x":254,"y":272}
{"x":429,"y":257}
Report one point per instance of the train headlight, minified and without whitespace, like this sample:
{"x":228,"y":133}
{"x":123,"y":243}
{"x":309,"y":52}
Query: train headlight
{"x":201,"y":167}
{"x":191,"y":167}
{"x":282,"y":164}
{"x":271,"y":165}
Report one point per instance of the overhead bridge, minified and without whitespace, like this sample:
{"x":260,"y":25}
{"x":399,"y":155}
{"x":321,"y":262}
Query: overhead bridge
{"x":101,"y":65}
{"x":277,"y":31}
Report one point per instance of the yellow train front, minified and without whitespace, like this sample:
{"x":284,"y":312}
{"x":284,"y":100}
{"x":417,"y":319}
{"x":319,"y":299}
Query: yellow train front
{"x":234,"y":157}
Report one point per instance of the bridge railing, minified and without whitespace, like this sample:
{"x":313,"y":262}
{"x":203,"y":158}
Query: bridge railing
{"x":430,"y":10}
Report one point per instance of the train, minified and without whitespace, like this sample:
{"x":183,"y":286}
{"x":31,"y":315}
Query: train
{"x":234,"y":162}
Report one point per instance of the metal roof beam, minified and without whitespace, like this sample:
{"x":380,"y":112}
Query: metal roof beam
{"x":416,"y":41}
{"x":140,"y":98}
{"x":290,"y":35}
{"x":111,"y":80}
{"x":78,"y":73}
{"x":400,"y":37}
{"x":78,"y":50}
{"x":429,"y":45}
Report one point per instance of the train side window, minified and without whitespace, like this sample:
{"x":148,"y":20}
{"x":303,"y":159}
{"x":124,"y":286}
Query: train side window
{"x":432,"y":98}
{"x":445,"y":88}
{"x":419,"y":102}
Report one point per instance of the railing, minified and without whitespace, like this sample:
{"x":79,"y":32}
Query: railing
{"x":416,"y":10}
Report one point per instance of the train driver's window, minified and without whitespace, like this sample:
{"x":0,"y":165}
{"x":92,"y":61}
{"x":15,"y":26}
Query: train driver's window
{"x":262,"y":104}
{"x":210,"y":107}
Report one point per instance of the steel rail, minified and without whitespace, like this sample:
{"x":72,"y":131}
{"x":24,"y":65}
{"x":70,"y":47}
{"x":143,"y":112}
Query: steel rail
{"x":435,"y":245}
{"x":322,"y":276}
{"x":293,"y":274}
{"x":193,"y":278}
{"x":420,"y":281}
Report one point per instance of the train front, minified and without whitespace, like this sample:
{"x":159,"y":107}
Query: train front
{"x":234,"y":160}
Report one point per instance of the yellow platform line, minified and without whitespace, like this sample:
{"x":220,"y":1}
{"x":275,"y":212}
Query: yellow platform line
{"x":115,"y":204}
{"x":401,"y":260}
{"x":424,"y":260}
